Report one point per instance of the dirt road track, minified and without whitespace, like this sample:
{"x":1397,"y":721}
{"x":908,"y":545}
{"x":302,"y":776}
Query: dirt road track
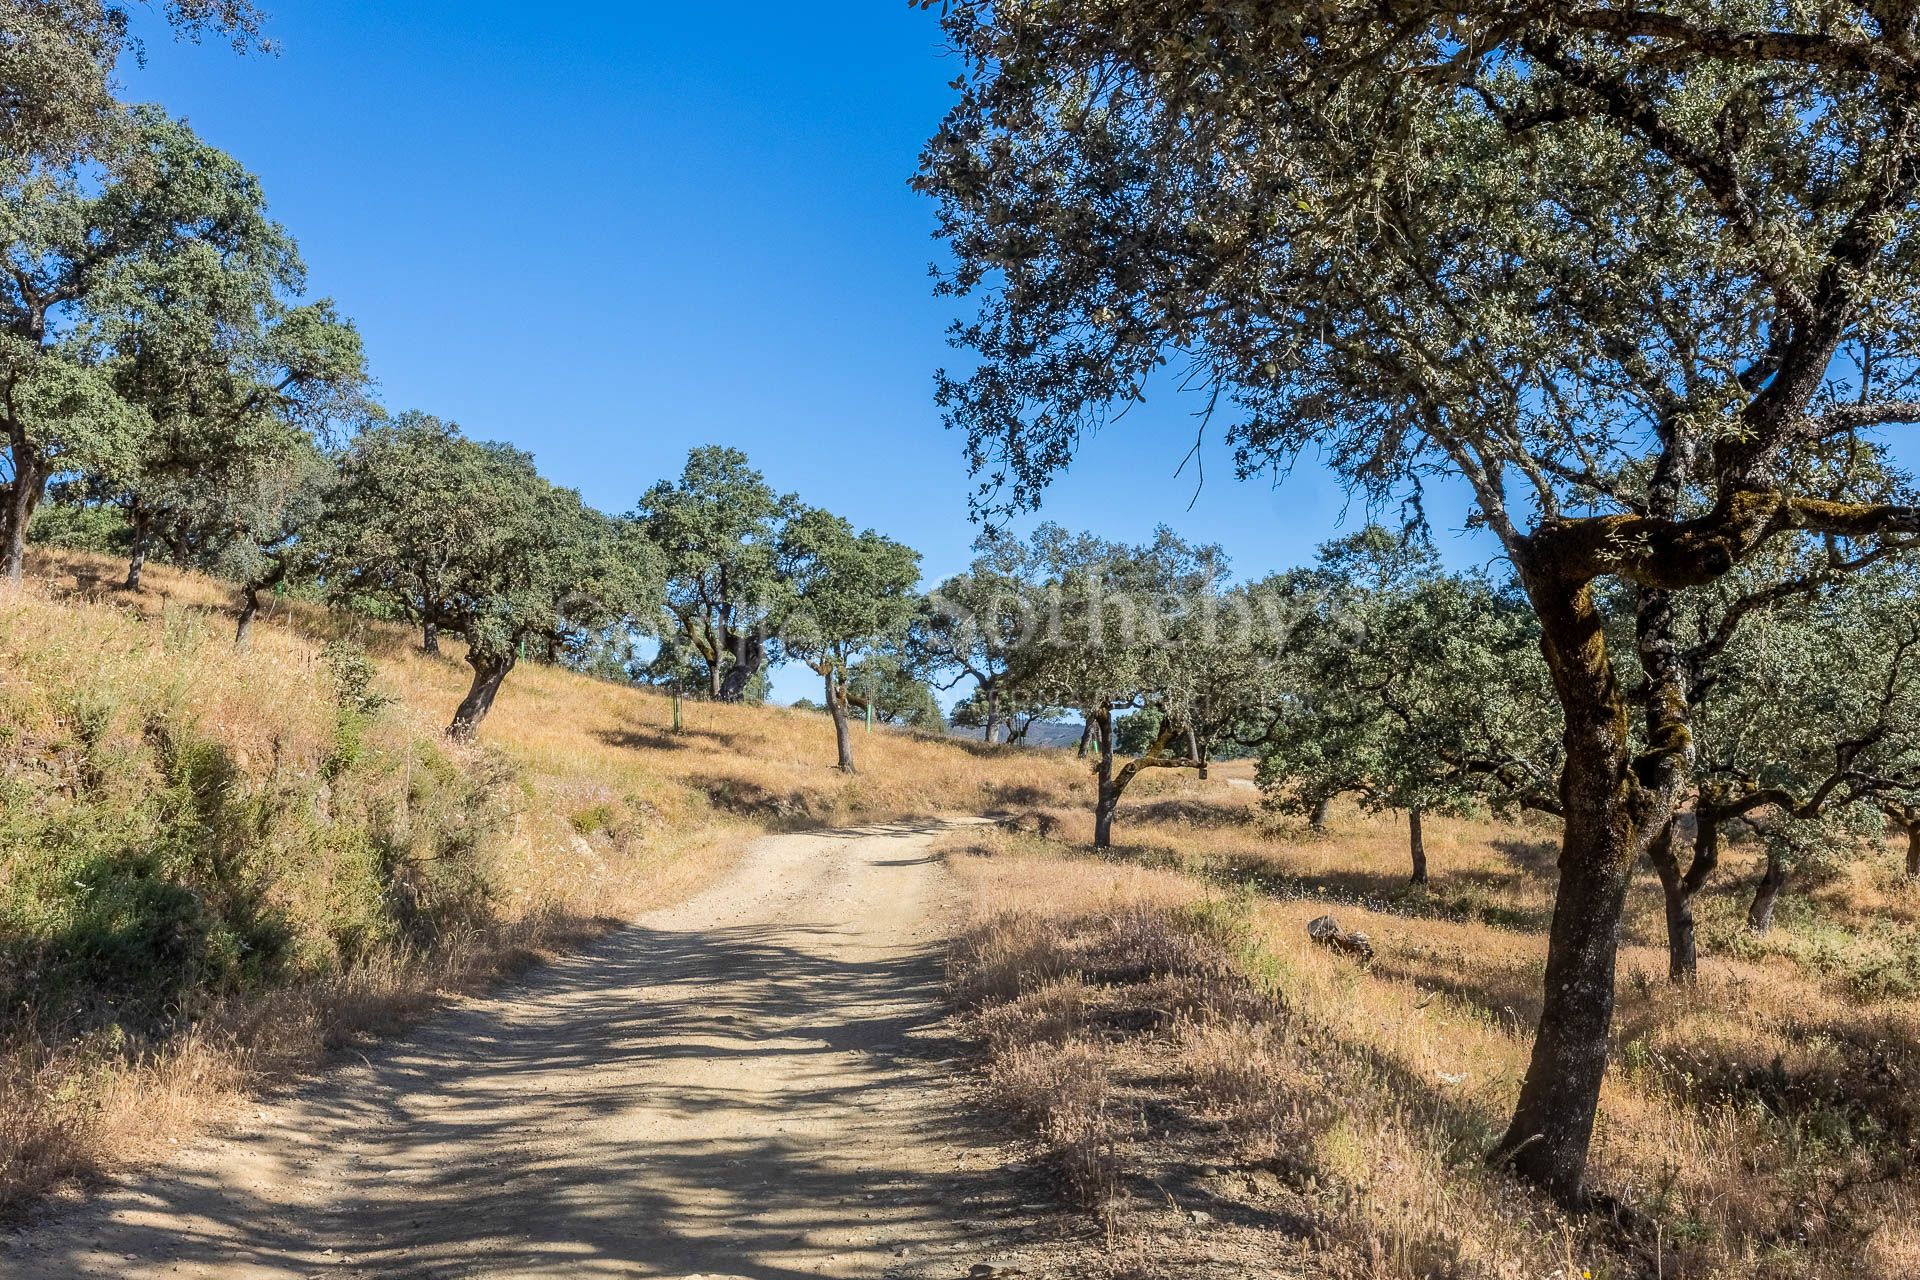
{"x":742,"y":1086}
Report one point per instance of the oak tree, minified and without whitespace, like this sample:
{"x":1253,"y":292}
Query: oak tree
{"x":854,"y":597}
{"x":721,"y":526}
{"x":1532,"y":247}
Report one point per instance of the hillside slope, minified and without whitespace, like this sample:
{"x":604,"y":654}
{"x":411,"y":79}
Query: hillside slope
{"x":1240,"y":1100}
{"x":217,"y":863}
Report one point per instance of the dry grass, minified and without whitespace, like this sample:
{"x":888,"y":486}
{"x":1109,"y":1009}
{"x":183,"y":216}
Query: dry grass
{"x":1761,"y":1124}
{"x":579,"y":808}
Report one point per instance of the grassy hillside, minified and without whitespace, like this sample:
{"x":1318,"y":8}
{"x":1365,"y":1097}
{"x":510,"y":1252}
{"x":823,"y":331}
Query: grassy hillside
{"x":1174,"y":1040}
{"x":217,"y":863}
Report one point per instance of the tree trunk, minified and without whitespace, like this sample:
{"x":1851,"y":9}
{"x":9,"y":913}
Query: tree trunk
{"x":993,"y":713}
{"x":489,"y":669}
{"x":1682,"y":959}
{"x":1912,"y":827}
{"x":1417,"y":843}
{"x":1321,"y":808}
{"x":1613,"y":803}
{"x":1766,"y":894}
{"x":749,"y":655}
{"x":430,"y":637}
{"x":23,"y":496}
{"x":249,"y":606}
{"x":142,"y":542}
{"x":1106,"y":793}
{"x":842,"y":732}
{"x":1086,"y":735}
{"x":1194,"y":752}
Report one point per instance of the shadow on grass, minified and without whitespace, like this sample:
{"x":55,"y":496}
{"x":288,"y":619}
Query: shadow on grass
{"x":647,"y":738}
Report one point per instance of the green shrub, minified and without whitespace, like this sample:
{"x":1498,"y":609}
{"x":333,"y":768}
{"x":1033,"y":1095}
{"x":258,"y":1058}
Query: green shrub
{"x":144,"y":874}
{"x":81,"y":528}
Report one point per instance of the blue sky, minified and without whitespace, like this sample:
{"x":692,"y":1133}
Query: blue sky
{"x":611,"y":236}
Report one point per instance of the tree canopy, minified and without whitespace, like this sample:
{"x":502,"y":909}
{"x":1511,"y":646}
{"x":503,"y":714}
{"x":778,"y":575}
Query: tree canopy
{"x":469,"y":537}
{"x":721,"y":528}
{"x":855,"y":595}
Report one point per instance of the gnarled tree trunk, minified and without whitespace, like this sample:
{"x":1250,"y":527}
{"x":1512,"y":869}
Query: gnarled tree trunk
{"x":842,"y":731}
{"x":249,"y":606}
{"x":1106,"y":796}
{"x":749,"y":655}
{"x":1913,"y":849}
{"x":23,"y":497}
{"x":1682,"y":962}
{"x":1614,"y":804}
{"x":1766,"y":894}
{"x":430,"y":637}
{"x":1322,"y":808}
{"x":489,"y":669}
{"x":142,"y":543}
{"x":1417,"y":845}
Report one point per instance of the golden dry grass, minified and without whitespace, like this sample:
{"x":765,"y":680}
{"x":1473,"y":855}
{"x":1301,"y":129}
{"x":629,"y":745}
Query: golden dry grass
{"x":603,"y":813}
{"x":1761,"y":1124}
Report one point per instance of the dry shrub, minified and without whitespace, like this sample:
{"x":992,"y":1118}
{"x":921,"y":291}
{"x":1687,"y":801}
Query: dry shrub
{"x":1242,"y":1074}
{"x":1048,"y":1014}
{"x":1064,"y":1092}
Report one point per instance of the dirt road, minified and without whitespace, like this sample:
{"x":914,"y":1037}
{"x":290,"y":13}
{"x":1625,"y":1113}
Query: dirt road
{"x":746,"y":1085}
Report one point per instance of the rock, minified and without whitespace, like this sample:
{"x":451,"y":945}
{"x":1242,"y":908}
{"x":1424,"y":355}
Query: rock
{"x":1327,"y":932}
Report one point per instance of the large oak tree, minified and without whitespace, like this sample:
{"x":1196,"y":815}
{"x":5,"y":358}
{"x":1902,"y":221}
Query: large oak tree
{"x":1622,"y":271}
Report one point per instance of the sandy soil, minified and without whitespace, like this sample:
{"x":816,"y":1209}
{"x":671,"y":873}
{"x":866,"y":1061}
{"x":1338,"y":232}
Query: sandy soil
{"x":751,"y":1084}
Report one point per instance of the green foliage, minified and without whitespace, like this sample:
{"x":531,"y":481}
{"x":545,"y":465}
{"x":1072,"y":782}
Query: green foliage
{"x":721,"y":529}
{"x":1413,"y":689}
{"x":145,"y":333}
{"x":853,"y":592}
{"x":471,"y":538}
{"x":972,"y":627}
{"x":888,"y":682}
{"x":1807,"y":699}
{"x":352,"y":673}
{"x":57,"y":79}
{"x":166,"y":874}
{"x":854,"y":599}
{"x":81,"y":526}
{"x":1134,"y":733}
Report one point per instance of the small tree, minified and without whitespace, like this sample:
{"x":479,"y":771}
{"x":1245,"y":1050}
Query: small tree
{"x":888,"y":683}
{"x":973,"y":623}
{"x":1809,"y":722}
{"x":721,"y":529}
{"x":1010,"y":706}
{"x":270,"y":514}
{"x":1414,"y":689}
{"x":1110,"y":646}
{"x":855,"y":596}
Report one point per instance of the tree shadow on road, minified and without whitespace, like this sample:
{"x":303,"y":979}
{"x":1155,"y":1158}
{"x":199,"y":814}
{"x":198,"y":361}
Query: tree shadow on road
{"x":502,"y":1139}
